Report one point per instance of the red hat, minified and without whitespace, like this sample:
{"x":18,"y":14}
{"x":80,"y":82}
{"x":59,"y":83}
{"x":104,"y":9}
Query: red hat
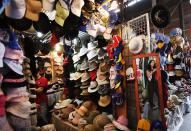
{"x":2,"y":105}
{"x":53,"y":40}
{"x":110,"y":50}
{"x":116,"y":39}
{"x":93,"y":74}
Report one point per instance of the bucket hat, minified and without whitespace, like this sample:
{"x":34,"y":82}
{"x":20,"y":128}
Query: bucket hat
{"x":16,"y":9}
{"x":130,"y":73}
{"x":136,"y":44}
{"x":2,"y":52}
{"x":160,"y":16}
{"x":92,"y":45}
{"x":83,"y":51}
{"x":34,"y":7}
{"x":104,"y":101}
{"x":84,"y":65}
{"x":85,"y":77}
{"x":93,"y":65}
{"x":121,"y":123}
{"x":92,"y":54}
{"x":48,"y":5}
{"x":103,"y":89}
{"x":93,"y":87}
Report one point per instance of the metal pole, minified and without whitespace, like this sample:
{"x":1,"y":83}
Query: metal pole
{"x":181,"y":17}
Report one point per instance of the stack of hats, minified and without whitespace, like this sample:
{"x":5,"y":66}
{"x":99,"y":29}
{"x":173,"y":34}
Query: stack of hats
{"x":121,"y":123}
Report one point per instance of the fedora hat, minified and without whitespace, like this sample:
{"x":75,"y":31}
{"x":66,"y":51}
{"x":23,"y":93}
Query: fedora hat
{"x":83,"y":51}
{"x":16,"y":9}
{"x":103,"y":89}
{"x":136,"y":44}
{"x":2,"y":52}
{"x":101,"y":53}
{"x":43,"y":23}
{"x":93,"y":87}
{"x":21,"y":109}
{"x":85,"y":77}
{"x":85,"y":92}
{"x":48,"y":5}
{"x":34,"y":7}
{"x":93,"y":65}
{"x":84,"y":65}
{"x":61,"y":14}
{"x":92,"y":54}
{"x":75,"y":58}
{"x":93,"y":74}
{"x":100,"y":121}
{"x":92,"y":45}
{"x":130,"y":73}
{"x":121,"y":123}
{"x":160,"y":16}
{"x":104,"y":101}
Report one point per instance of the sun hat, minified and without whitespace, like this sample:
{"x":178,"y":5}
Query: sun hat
{"x":21,"y":109}
{"x":130,"y":73}
{"x":84,"y":92}
{"x":16,"y":9}
{"x":103,"y":89}
{"x":43,"y":23}
{"x":76,"y":7}
{"x":34,"y":7}
{"x":61,"y":14}
{"x":160,"y":16}
{"x":85,"y":77}
{"x":92,"y":65}
{"x":101,"y":120}
{"x":121,"y":123}
{"x":110,"y":127}
{"x":48,"y":5}
{"x":92,"y":45}
{"x":93,"y":74}
{"x":104,"y":101}
{"x":93,"y":87}
{"x":176,"y":32}
{"x":2,"y":52}
{"x":136,"y":44}
{"x":83,"y":51}
{"x":92,"y":54}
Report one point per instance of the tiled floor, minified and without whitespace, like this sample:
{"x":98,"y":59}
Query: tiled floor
{"x":186,"y":126}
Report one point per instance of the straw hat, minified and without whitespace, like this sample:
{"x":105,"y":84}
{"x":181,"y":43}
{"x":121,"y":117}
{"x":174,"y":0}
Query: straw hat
{"x":136,"y":44}
{"x":104,"y":101}
{"x":100,"y":121}
{"x":85,"y":77}
{"x":84,"y":92}
{"x":89,"y":127}
{"x":34,"y":7}
{"x":93,"y":87}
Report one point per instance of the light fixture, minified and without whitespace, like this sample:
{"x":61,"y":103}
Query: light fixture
{"x":133,"y":2}
{"x":39,"y":34}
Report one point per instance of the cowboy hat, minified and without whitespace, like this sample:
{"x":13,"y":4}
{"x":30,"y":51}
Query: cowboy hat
{"x":93,"y":87}
{"x":136,"y":44}
{"x":92,"y":54}
{"x":92,"y":45}
{"x":85,"y":77}
{"x":160,"y":16}
{"x":92,"y":65}
{"x":104,"y":101}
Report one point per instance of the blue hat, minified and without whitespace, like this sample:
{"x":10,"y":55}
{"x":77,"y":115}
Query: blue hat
{"x":156,"y":124}
{"x":176,"y":32}
{"x":118,"y":77}
{"x":118,"y":49}
{"x":13,"y":42}
{"x":3,"y":4}
{"x":118,"y":66}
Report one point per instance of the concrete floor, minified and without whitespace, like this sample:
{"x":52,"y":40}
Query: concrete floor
{"x":186,"y":126}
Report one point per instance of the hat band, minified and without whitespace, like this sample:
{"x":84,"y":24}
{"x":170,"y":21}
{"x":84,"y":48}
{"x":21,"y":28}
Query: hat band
{"x":14,"y":80}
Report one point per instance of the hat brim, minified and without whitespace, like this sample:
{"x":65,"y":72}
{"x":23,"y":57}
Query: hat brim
{"x":119,"y":126}
{"x":132,"y":41}
{"x":105,"y":104}
{"x":90,"y":90}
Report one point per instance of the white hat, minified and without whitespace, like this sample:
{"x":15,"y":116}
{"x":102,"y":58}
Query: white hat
{"x":177,"y":67}
{"x":130,"y":74}
{"x":92,"y":45}
{"x":48,"y":5}
{"x":15,"y":66}
{"x":93,"y":87}
{"x":83,"y":51}
{"x":92,"y":54}
{"x":75,"y":58}
{"x":16,"y":9}
{"x":171,"y":73}
{"x":136,"y":44}
{"x":63,"y":104}
{"x":2,"y":52}
{"x":76,"y":7}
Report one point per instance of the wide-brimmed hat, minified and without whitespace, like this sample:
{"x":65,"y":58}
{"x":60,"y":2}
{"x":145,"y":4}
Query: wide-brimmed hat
{"x":16,"y":9}
{"x":93,"y":65}
{"x":103,"y":89}
{"x":92,"y":45}
{"x":21,"y":109}
{"x":75,"y":58}
{"x":130,"y":73}
{"x":101,"y":120}
{"x":93,"y":87}
{"x":2,"y":52}
{"x":136,"y":44}
{"x":34,"y":7}
{"x":110,"y":127}
{"x":85,"y":77}
{"x":84,"y":65}
{"x":101,"y":53}
{"x":160,"y":16}
{"x":104,"y":100}
{"x":48,"y":5}
{"x":85,"y":92}
{"x":83,"y":51}
{"x":176,"y":32}
{"x":103,"y":68}
{"x":93,"y":74}
{"x":92,"y":54}
{"x":121,"y":123}
{"x":61,"y":14}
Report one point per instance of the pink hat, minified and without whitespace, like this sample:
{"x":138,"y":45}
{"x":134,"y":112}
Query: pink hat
{"x":121,"y":123}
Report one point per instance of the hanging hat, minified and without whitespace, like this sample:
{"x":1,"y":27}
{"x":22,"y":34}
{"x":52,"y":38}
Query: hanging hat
{"x":2,"y":52}
{"x":76,"y":7}
{"x":118,"y":66}
{"x":93,"y":87}
{"x":103,"y":89}
{"x":93,"y":74}
{"x":16,"y":9}
{"x":121,"y":123}
{"x":77,"y":76}
{"x":107,"y":34}
{"x":83,"y":51}
{"x":43,"y":23}
{"x":136,"y":44}
{"x":104,"y":101}
{"x":14,"y":65}
{"x":61,"y":14}
{"x":116,"y":40}
{"x":118,"y":98}
{"x":93,"y":65}
{"x":110,"y":127}
{"x":92,"y":45}
{"x":112,"y":83}
{"x":101,"y":53}
{"x":21,"y":109}
{"x":130,"y":73}
{"x":3,"y":4}
{"x":160,"y":16}
{"x":92,"y":54}
{"x":85,"y":77}
{"x":84,"y":66}
{"x":169,"y":59}
{"x":103,"y":68}
{"x":77,"y":83}
{"x":86,"y":83}
{"x":176,"y":32}
{"x":112,"y":73}
{"x":34,"y":7}
{"x":48,"y":5}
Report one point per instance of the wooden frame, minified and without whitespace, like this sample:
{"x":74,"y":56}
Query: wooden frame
{"x":159,"y":85}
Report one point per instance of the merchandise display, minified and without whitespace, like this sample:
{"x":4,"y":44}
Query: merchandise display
{"x":77,"y":65}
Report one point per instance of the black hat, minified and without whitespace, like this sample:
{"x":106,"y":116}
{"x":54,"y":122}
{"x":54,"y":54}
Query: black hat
{"x":43,"y":24}
{"x":57,"y":29}
{"x":160,"y":16}
{"x":19,"y":24}
{"x":46,"y":49}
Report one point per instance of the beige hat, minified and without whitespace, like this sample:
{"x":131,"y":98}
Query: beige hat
{"x":136,"y":44}
{"x":104,"y":100}
{"x":34,"y":7}
{"x":48,"y":4}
